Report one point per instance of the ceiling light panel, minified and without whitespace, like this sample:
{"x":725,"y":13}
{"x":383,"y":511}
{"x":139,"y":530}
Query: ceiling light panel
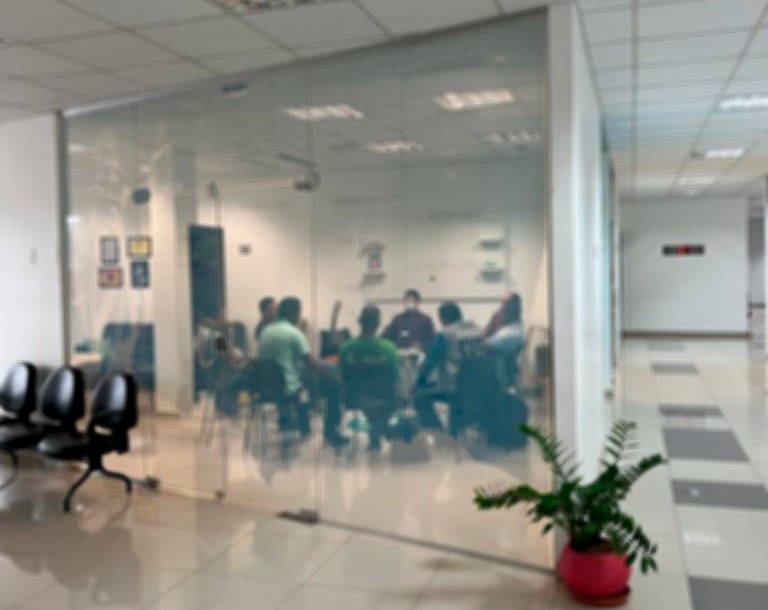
{"x":246,"y":7}
{"x":523,"y":136}
{"x":392,"y":147}
{"x":736,"y":103}
{"x":696,"y":181}
{"x":324,"y":113}
{"x":717,"y":154}
{"x":454,"y":101}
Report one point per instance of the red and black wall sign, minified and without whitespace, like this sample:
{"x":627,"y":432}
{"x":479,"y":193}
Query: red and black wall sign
{"x":683,"y":250}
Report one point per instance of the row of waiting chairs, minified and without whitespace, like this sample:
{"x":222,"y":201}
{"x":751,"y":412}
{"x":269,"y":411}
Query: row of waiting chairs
{"x":47,"y":422}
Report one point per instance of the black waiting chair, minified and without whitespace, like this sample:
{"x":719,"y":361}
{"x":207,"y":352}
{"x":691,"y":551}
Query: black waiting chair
{"x":62,"y":403}
{"x":114,"y":411}
{"x":18,"y":396}
{"x":372,"y":389}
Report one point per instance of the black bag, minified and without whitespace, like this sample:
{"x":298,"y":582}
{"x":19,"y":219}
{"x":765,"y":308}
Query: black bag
{"x":502,"y":426}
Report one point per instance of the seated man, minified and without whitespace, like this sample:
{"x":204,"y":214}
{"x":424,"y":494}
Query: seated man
{"x":459,"y":341}
{"x":283,"y":342}
{"x":268,"y":309}
{"x":411,"y":328}
{"x":370,"y":350}
{"x":507,"y":342}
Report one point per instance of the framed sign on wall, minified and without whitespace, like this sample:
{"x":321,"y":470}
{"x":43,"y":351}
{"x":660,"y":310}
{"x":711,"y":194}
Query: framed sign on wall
{"x":140,"y":274}
{"x":139,"y":246}
{"x":111,"y":278}
{"x":109,"y":250}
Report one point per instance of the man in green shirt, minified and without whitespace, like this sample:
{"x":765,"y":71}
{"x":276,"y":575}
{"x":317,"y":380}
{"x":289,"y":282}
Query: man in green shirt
{"x":284,"y":343}
{"x":370,"y":350}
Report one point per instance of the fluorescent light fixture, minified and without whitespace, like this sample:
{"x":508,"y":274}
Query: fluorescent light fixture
{"x":755,"y":101}
{"x":523,"y":136}
{"x":714,"y":154}
{"x":324,"y":113}
{"x":391,"y":147}
{"x":469,"y":100}
{"x":696,"y":181}
{"x":75,"y":148}
{"x":244,"y":7}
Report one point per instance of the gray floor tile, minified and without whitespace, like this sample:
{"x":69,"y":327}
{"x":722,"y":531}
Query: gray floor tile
{"x":718,"y":445}
{"x":690,"y":411}
{"x":674,"y":368}
{"x":727,"y":595}
{"x":731,"y":495}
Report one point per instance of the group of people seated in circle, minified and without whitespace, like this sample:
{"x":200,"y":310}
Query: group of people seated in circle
{"x":437,"y":357}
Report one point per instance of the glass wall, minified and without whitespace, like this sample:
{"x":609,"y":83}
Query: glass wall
{"x":344,"y":183}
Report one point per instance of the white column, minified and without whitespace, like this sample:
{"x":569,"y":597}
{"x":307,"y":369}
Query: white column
{"x":173,"y":209}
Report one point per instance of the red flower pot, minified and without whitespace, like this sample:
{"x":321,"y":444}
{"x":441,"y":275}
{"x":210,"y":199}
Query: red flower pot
{"x":598,"y":578}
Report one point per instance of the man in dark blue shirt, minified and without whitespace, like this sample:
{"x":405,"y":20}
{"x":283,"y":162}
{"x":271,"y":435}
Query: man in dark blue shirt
{"x":411,"y":328}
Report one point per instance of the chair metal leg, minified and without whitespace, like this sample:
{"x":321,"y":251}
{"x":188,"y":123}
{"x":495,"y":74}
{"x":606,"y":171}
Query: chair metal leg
{"x":118,"y":475}
{"x":74,"y":488}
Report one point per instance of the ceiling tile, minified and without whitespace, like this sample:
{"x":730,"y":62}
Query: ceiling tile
{"x":589,"y":5}
{"x":609,"y":26}
{"x":720,"y":69}
{"x":607,"y":80}
{"x":110,"y":50}
{"x":135,"y":12}
{"x":16,"y":91}
{"x":611,"y":56}
{"x":409,"y":16}
{"x":167,"y":75}
{"x":742,"y":86}
{"x":696,"y":16}
{"x":727,"y":45}
{"x":27,"y":61}
{"x":92,"y":84}
{"x":32,"y":19}
{"x":513,"y":6}
{"x":760,"y":42}
{"x":316,"y":24}
{"x":8,"y":113}
{"x":338,"y":46}
{"x":209,"y":37}
{"x":753,"y":67}
{"x":243,"y":63}
{"x":678,"y":93}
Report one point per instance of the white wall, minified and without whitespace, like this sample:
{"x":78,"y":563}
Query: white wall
{"x":757,"y":259}
{"x":698,"y":294}
{"x":30,"y":306}
{"x":578,"y":241}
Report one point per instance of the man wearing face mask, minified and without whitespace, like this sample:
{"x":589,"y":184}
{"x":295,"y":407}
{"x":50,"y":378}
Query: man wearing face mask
{"x":411,"y":328}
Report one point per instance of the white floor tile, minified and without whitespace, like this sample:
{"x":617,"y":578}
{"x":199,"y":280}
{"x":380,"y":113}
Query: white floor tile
{"x":322,"y":599}
{"x":468,"y":583}
{"x":380,"y":565}
{"x":291,"y":560}
{"x":206,"y":592}
{"x":704,"y":470}
{"x":648,"y":593}
{"x":725,"y":525}
{"x":711,"y":557}
{"x":107,"y":585}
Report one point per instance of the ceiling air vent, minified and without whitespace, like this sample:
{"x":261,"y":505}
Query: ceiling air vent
{"x":244,"y":7}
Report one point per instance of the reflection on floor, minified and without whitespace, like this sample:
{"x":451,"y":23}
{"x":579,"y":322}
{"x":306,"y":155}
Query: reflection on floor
{"x":707,"y":509}
{"x":418,"y":486}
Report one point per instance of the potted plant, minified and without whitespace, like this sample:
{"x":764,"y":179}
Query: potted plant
{"x":604,"y":541}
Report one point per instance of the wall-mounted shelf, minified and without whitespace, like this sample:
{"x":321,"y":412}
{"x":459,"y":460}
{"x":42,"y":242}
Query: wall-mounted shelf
{"x":375,"y":273}
{"x":490,"y":241}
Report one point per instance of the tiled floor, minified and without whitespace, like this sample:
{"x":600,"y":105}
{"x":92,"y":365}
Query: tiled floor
{"x":707,"y":509}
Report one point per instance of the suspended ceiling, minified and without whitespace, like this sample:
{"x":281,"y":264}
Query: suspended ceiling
{"x":662,"y":66}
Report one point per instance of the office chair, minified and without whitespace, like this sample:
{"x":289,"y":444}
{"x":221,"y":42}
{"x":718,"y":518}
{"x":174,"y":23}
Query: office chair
{"x":371,"y":388}
{"x":18,"y":397}
{"x":114,"y":412}
{"x":62,"y":402}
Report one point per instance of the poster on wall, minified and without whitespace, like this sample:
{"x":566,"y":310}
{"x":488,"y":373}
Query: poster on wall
{"x":140,"y":274}
{"x":111,"y":278}
{"x":109,"y":250}
{"x":139,"y":246}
